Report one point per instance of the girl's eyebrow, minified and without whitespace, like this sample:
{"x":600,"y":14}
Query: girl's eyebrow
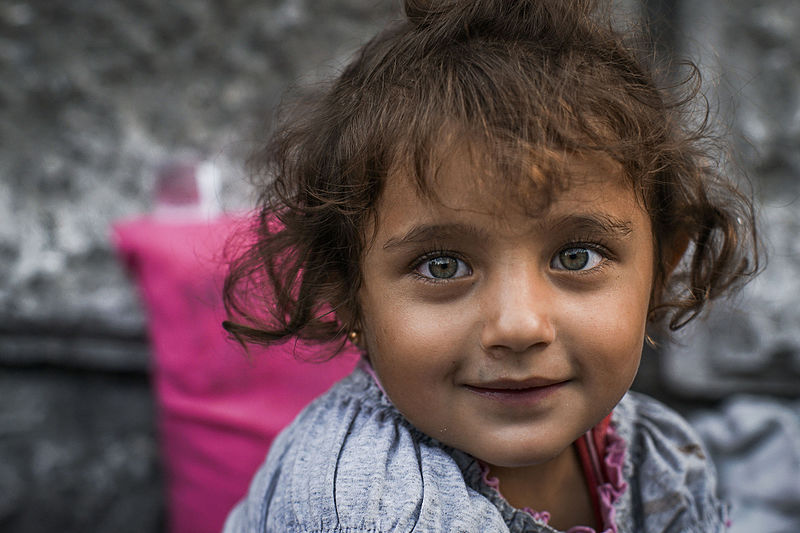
{"x":594,"y":223}
{"x":429,"y":232}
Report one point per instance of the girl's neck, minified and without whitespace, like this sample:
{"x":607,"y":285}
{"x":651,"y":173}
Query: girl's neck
{"x":558,"y":487}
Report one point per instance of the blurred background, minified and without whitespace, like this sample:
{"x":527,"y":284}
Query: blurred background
{"x":97,"y":97}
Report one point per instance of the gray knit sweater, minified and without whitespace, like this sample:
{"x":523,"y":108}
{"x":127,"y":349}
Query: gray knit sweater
{"x":350,"y":462}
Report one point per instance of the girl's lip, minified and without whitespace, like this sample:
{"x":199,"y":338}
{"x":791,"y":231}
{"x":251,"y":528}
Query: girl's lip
{"x":515,"y":385}
{"x":518,"y":392}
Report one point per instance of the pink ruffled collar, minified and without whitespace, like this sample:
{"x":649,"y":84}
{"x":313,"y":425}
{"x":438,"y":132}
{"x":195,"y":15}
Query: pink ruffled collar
{"x":609,"y":491}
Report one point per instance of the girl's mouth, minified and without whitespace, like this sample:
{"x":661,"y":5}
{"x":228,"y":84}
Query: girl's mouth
{"x":526,"y":392}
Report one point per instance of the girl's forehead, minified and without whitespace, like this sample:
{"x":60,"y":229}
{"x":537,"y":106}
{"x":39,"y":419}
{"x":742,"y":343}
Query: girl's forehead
{"x":594,"y":206}
{"x":592,"y":194}
{"x":471,"y":180}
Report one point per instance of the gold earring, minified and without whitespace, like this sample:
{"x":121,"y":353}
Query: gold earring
{"x":649,"y":340}
{"x":354,"y":337}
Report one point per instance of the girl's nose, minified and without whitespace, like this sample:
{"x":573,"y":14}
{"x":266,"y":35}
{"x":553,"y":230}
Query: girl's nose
{"x":517,"y":309}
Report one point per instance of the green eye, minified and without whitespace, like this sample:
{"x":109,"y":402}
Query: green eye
{"x":575,"y":259}
{"x":443,"y":267}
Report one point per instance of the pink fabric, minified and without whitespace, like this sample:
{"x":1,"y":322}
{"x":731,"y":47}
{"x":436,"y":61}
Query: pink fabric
{"x":614,"y":486}
{"x":218,"y":410}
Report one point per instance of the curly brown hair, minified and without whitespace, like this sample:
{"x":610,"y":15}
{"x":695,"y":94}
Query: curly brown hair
{"x":518,"y":82}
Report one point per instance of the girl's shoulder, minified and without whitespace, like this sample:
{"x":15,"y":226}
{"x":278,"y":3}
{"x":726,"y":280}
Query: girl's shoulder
{"x":351,"y":462}
{"x":672,"y":481}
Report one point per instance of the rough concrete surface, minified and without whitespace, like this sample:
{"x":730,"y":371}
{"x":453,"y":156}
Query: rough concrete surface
{"x":77,"y":454}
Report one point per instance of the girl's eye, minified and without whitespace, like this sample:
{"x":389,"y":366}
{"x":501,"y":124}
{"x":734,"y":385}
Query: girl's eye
{"x":443,"y":267}
{"x":576,"y":258}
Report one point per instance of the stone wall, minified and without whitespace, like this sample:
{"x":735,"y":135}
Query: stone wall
{"x":95,"y":96}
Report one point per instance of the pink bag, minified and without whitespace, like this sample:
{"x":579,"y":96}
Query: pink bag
{"x":218,"y":410}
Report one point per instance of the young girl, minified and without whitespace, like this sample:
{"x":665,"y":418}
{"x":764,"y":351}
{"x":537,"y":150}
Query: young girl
{"x":493,"y":202}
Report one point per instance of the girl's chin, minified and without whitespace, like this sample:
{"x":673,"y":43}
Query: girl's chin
{"x":507,"y":459}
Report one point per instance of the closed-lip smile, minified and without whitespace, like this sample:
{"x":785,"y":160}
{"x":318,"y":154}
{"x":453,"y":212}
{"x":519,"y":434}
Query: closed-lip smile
{"x":512,"y":384}
{"x":526,"y":391}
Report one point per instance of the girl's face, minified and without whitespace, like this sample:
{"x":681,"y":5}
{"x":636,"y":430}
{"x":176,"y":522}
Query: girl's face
{"x":503,"y":335}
